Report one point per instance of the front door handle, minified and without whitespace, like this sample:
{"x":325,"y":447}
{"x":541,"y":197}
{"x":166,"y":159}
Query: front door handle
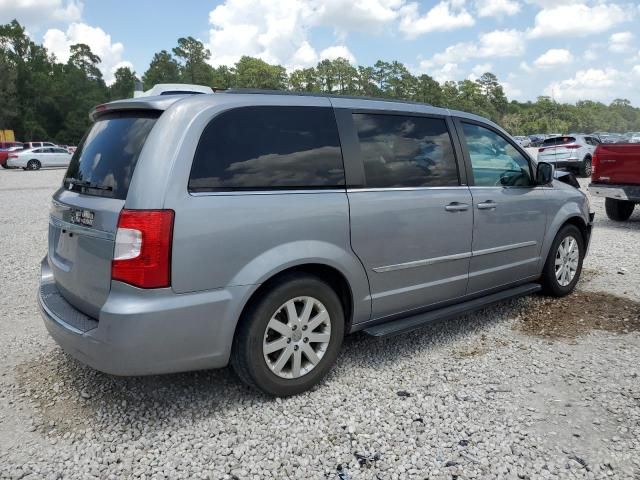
{"x":488,"y":205}
{"x":457,"y":207}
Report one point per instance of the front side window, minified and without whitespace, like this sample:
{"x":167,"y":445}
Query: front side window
{"x":405,"y":151}
{"x":495,"y":161}
{"x":269,"y":147}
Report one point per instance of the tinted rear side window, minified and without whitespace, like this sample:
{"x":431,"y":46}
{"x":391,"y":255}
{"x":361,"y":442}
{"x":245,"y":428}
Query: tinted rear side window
{"x":405,"y":151}
{"x":263,"y":148}
{"x":107,"y":155}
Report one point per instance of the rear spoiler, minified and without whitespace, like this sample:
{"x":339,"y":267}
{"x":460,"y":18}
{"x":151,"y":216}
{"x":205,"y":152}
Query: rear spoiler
{"x":142,"y":103}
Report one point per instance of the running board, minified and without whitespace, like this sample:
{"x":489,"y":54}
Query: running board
{"x":407,"y":324}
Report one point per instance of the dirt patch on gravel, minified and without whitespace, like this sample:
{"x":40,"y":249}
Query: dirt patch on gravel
{"x":578,"y":314}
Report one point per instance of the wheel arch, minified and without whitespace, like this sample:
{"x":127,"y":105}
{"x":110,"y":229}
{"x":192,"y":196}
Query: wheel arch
{"x":336,"y":279}
{"x":570,"y":212}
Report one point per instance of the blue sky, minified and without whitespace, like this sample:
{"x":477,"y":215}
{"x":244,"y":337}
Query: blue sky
{"x":569,"y":49}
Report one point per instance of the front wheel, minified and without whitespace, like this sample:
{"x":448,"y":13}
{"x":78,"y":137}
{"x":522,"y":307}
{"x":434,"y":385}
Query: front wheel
{"x":618,"y":210}
{"x":289,"y":338}
{"x":564,"y":262}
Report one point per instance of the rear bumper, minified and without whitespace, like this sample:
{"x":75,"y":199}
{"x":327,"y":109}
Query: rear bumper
{"x":145,"y":332}
{"x":569,"y":163}
{"x":619,"y":192}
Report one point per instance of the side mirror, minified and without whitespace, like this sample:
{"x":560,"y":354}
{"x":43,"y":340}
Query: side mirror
{"x":544,"y":173}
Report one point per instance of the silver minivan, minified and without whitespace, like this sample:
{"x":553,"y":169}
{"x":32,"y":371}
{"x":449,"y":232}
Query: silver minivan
{"x":257,"y":229}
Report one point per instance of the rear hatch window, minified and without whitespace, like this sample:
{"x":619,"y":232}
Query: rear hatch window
{"x":106,"y":157}
{"x":557,"y":141}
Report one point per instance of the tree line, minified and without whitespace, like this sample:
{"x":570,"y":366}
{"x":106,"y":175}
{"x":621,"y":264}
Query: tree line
{"x":42,"y":98}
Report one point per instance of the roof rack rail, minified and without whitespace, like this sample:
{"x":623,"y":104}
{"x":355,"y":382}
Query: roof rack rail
{"x":258,"y":91}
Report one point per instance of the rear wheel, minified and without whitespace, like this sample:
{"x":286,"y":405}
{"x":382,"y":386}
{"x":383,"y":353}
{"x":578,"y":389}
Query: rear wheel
{"x":289,"y":338}
{"x":33,"y":165}
{"x":618,"y":210}
{"x":586,"y":167}
{"x":564,"y":262}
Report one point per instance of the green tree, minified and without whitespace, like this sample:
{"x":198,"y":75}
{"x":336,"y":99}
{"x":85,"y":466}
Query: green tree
{"x":427,"y":90}
{"x":124,"y":84}
{"x":163,"y":69}
{"x":256,"y":73}
{"x":194,"y":56}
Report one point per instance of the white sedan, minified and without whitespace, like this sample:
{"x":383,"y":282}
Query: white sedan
{"x":37,"y":158}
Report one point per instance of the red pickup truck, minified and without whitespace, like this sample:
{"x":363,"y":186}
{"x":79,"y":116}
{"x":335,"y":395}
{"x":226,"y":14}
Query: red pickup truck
{"x":616,"y":176}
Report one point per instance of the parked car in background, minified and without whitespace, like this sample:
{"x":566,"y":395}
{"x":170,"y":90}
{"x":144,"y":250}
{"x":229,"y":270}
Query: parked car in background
{"x":536,"y":140}
{"x":6,"y":148}
{"x":611,"y":138}
{"x":569,"y":152}
{"x":37,"y":158}
{"x":8,"y":145}
{"x":523,"y":140}
{"x":259,"y":229}
{"x":634,"y":137}
{"x":29,"y":145}
{"x":616,"y":177}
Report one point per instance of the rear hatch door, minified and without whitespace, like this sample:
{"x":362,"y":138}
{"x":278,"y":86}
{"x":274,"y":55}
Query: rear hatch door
{"x":84,"y":212}
{"x":557,"y":149}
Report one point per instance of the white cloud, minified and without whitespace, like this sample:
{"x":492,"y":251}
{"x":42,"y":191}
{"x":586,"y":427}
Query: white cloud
{"x":479,"y":70}
{"x":554,"y":57}
{"x":277,"y":30}
{"x":621,"y":42}
{"x":499,"y":43}
{"x":511,"y":91}
{"x":578,"y":19}
{"x":524,"y":66}
{"x":497,"y":8}
{"x":593,"y":84}
{"x":337,"y":51}
{"x":59,"y":43}
{"x":273,"y":30}
{"x":441,"y":73}
{"x":34,"y":14}
{"x":359,"y":15}
{"x":446,"y":15}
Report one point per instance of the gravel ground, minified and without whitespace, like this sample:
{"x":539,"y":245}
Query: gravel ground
{"x":490,"y":395}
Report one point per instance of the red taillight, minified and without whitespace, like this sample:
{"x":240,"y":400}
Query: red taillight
{"x":142,"y":255}
{"x":572,"y":147}
{"x":595,"y":164}
{"x":541,"y":149}
{"x":12,"y":155}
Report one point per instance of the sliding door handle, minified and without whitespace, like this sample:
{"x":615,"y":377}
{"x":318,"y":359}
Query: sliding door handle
{"x":488,"y":205}
{"x":457,"y":207}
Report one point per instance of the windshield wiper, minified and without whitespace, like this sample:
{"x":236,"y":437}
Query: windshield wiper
{"x":74,"y":182}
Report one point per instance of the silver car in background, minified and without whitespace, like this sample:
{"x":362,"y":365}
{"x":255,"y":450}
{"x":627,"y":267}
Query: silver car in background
{"x":37,"y":158}
{"x":257,"y":229}
{"x":570,"y":152}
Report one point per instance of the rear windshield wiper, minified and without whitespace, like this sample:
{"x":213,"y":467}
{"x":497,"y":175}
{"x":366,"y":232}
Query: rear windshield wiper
{"x":74,"y":182}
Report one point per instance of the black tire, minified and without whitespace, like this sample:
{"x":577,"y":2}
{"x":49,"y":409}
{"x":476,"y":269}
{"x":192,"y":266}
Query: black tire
{"x":4,"y":165}
{"x":33,"y":165}
{"x":618,"y":210}
{"x":247,"y":357}
{"x":586,"y":167}
{"x":550,"y":284}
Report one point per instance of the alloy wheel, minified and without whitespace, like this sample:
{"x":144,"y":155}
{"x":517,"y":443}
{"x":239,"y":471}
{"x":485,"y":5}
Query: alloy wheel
{"x":567,"y":259}
{"x":297,"y":337}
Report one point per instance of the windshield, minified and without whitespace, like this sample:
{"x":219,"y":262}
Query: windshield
{"x":106,"y":157}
